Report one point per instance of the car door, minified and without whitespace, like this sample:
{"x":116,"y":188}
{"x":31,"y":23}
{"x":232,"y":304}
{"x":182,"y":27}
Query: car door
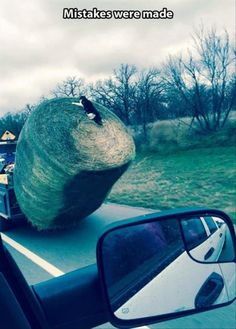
{"x":216,"y":238}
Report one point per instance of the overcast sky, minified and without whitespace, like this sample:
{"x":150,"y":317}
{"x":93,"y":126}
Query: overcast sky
{"x":38,"y":48}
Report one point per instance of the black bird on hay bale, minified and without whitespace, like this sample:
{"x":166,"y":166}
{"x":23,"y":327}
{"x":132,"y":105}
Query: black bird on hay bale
{"x":66,"y":167}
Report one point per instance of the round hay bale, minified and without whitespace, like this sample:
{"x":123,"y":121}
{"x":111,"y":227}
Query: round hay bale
{"x":66,"y":164}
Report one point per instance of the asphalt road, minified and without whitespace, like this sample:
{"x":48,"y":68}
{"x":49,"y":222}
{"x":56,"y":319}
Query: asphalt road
{"x":75,"y":248}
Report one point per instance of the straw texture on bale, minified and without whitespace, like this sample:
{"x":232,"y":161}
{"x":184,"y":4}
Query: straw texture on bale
{"x":66,"y":164}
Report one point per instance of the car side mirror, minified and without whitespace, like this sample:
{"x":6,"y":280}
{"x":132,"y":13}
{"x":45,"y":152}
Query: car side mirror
{"x":162,"y":266}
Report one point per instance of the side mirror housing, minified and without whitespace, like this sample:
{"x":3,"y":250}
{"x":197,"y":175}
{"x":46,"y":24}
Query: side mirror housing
{"x":166,"y":265}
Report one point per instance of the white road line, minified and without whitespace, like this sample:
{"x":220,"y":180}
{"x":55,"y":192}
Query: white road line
{"x":51,"y":269}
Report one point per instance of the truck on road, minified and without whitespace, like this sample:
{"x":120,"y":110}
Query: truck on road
{"x":10,"y":212}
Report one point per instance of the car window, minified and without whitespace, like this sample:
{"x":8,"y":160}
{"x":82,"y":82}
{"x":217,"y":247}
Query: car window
{"x":194,"y":232}
{"x":211,"y":224}
{"x":142,"y":252}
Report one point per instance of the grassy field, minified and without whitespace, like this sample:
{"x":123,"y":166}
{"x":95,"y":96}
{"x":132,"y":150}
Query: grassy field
{"x":198,"y":177}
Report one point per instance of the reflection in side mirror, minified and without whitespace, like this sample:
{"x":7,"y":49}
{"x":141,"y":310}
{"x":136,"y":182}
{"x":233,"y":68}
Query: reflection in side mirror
{"x":208,"y":239}
{"x":148,"y":269}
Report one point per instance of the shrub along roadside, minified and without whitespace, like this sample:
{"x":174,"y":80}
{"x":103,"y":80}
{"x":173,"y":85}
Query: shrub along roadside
{"x":170,"y":136}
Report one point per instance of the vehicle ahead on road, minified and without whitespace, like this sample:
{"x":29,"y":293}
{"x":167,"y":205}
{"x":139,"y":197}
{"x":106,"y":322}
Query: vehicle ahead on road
{"x":10,"y":213}
{"x":145,"y":273}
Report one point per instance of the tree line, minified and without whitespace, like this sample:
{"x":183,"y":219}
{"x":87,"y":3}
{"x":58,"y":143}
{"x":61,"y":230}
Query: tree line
{"x":199,"y":83}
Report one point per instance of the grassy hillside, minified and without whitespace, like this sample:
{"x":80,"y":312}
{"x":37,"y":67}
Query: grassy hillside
{"x":198,"y":177}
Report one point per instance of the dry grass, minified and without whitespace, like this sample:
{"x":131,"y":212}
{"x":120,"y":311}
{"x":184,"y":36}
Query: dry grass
{"x":168,"y":136}
{"x":198,"y":177}
{"x":179,"y":167}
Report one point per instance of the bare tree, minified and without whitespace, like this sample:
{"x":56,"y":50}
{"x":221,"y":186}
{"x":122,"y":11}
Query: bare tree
{"x":103,"y":92}
{"x":118,"y":91}
{"x":125,"y":88}
{"x":28,"y":109}
{"x":202,"y":79}
{"x":148,"y":96}
{"x":71,"y":87}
